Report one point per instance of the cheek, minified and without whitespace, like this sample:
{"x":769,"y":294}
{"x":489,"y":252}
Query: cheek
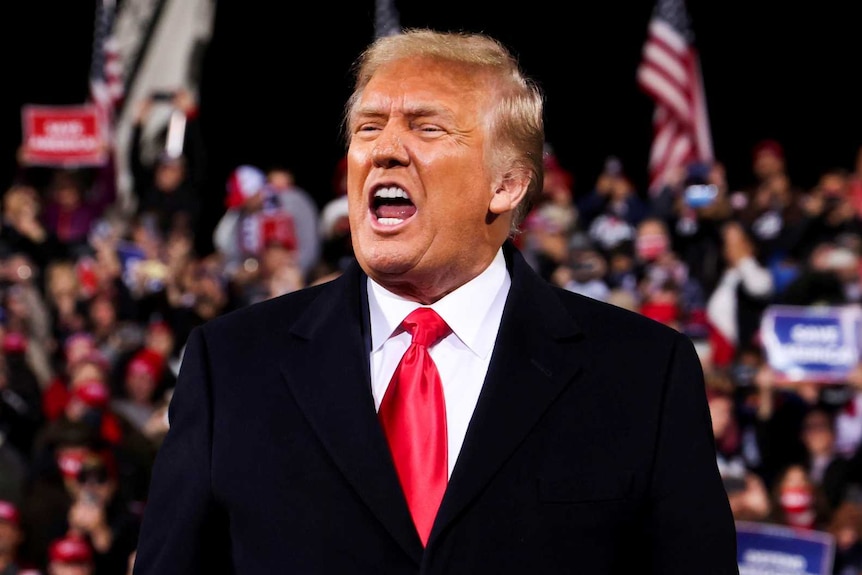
{"x":358,"y":163}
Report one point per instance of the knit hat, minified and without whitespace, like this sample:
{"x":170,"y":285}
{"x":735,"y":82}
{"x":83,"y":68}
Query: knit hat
{"x":243,"y":183}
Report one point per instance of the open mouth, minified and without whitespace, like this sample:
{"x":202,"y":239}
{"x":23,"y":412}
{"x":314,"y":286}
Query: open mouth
{"x":391,"y":206}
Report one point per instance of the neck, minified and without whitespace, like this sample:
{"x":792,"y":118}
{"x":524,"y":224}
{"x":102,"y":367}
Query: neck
{"x":434,"y":287}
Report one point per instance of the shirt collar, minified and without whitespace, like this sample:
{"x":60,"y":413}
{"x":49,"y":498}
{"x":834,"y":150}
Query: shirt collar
{"x":473,"y":311}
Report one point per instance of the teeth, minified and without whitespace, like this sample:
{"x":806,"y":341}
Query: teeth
{"x":390,"y":193}
{"x":390,"y":221}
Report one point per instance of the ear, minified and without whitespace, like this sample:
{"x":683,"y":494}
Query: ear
{"x":510,"y":191}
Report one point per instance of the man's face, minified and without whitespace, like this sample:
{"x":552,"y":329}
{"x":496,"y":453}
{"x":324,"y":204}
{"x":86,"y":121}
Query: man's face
{"x":420,"y":187}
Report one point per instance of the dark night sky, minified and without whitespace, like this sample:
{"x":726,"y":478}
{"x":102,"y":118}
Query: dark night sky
{"x":276,"y":75}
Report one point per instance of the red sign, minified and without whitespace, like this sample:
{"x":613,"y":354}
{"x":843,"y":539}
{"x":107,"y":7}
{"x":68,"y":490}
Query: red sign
{"x":62,"y":136}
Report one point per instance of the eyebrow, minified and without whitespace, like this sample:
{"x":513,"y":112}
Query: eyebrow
{"x":413,"y":111}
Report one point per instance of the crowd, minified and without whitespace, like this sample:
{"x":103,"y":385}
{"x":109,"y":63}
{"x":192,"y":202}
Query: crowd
{"x":96,"y":304}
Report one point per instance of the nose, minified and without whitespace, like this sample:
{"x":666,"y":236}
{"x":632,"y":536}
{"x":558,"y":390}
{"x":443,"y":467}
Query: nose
{"x":389,"y":150}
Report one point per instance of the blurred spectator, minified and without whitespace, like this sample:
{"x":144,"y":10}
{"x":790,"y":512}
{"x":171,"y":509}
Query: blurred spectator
{"x":830,"y":276}
{"x":114,"y":337}
{"x":780,"y":409}
{"x":745,"y":289}
{"x":827,"y":468}
{"x":141,"y":390}
{"x":89,"y":405}
{"x":545,"y":232}
{"x":264,"y":211}
{"x":168,"y":187}
{"x":84,"y":487}
{"x":624,"y":273}
{"x":666,"y":290}
{"x":749,"y":499}
{"x":198,"y":294}
{"x":277,"y":273}
{"x":771,"y":207}
{"x":848,"y":420}
{"x":612,"y":209}
{"x":14,"y":471}
{"x":336,"y":246}
{"x":22,"y":230}
{"x":64,"y":300}
{"x":830,"y":212}
{"x":70,"y":555}
{"x":297,"y":202}
{"x":27,"y":322}
{"x":798,"y":502}
{"x":695,"y":204}
{"x":21,"y":416}
{"x":70,"y":210}
{"x":11,"y":537}
{"x":80,"y":359}
{"x":583,"y":271}
{"x":846,"y":528}
{"x":100,"y":516}
{"x":46,"y":500}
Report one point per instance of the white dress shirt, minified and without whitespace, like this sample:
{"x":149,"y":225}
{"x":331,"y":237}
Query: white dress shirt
{"x":473,"y":311}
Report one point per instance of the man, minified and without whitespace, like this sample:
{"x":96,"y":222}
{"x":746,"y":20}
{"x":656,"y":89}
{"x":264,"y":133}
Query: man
{"x":576,"y":438}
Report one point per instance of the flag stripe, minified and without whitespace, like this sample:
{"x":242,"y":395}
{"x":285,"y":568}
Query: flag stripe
{"x":106,"y":70}
{"x":669,"y":73}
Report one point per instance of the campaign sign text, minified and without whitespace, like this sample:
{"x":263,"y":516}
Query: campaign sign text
{"x":812,"y":343}
{"x":62,"y":136}
{"x":767,"y":549}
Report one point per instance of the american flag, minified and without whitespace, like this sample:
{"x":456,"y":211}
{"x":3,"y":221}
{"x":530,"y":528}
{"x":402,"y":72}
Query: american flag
{"x":670,"y":74}
{"x":106,"y":78}
{"x":386,"y":19}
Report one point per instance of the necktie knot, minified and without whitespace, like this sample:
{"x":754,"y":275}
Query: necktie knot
{"x":425,"y":326}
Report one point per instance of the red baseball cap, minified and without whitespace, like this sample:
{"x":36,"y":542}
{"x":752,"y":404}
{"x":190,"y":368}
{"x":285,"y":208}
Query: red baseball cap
{"x":70,"y":550}
{"x":9,"y":512}
{"x":92,"y":392}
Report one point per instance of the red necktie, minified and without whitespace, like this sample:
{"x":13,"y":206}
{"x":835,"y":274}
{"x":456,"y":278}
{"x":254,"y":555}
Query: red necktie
{"x":413,"y":414}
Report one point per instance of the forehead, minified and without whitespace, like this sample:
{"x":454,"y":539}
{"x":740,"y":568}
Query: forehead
{"x":651,"y":227}
{"x":424,"y":85}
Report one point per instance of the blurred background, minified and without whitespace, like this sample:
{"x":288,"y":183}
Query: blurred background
{"x":273,"y":76}
{"x":219,"y":184}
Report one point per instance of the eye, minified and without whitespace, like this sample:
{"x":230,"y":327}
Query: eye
{"x":431,"y":129}
{"x":368,"y":127}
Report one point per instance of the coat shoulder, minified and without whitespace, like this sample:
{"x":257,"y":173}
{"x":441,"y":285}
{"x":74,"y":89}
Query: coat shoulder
{"x":269,"y":316}
{"x":606,"y":319}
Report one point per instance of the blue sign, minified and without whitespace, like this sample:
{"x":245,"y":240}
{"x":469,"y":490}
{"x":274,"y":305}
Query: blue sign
{"x":768,"y":549}
{"x":812,"y":343}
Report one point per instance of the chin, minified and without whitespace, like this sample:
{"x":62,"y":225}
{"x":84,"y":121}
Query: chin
{"x":381,"y":263}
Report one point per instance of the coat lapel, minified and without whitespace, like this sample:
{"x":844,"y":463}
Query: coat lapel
{"x":327,"y":371}
{"x":534,"y":359}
